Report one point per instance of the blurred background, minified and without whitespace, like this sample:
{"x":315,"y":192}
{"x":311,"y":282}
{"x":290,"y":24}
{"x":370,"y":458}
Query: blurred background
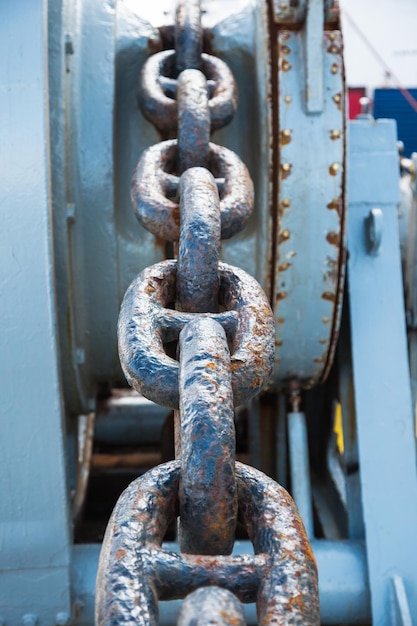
{"x":381,"y":61}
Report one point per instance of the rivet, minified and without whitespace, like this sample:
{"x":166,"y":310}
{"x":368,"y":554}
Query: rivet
{"x":286,"y":167}
{"x":286,"y":132}
{"x":30,"y":619}
{"x":333,"y":50}
{"x":334,"y":168}
{"x":287,"y":99}
{"x":337,"y":98}
{"x":286,"y":66}
{"x":332,"y":36}
{"x":285,"y":50}
{"x":335,"y":68}
{"x":322,"y":341}
{"x":325,"y":320}
{"x":285,"y":234}
{"x":283,"y":6}
{"x":62,"y":618}
{"x":286,"y":202}
{"x":335,"y":134}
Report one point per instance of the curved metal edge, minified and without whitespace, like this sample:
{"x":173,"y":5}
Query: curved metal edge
{"x":141,"y":336}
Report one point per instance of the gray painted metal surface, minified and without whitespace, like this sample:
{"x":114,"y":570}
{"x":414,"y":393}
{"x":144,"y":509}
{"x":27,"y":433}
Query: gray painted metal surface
{"x":387,"y":452}
{"x":34,"y":503}
{"x":309,"y":252}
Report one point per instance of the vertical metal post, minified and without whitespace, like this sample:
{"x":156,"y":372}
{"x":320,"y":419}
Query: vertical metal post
{"x":300,"y":471}
{"x":387,"y":452}
{"x":34,"y":516}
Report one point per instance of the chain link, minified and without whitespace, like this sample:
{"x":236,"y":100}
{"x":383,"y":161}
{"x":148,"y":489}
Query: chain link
{"x":195,"y":192}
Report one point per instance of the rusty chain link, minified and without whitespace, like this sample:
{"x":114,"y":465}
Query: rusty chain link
{"x":195,"y":192}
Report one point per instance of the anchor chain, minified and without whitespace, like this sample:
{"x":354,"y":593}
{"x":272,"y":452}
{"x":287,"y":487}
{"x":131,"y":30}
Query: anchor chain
{"x":196,"y":193}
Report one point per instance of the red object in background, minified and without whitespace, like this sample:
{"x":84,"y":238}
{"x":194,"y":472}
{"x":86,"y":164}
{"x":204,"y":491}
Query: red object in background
{"x":355,"y":93}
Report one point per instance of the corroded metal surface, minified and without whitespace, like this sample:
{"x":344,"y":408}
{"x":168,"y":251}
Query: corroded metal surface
{"x":146,"y":323}
{"x":134,"y":571}
{"x":193,"y":119}
{"x":198,"y":254}
{"x":222,"y":606}
{"x":208,"y":496}
{"x":155,"y":183}
{"x":188,"y":34}
{"x":161,"y":109}
{"x":223,"y":328}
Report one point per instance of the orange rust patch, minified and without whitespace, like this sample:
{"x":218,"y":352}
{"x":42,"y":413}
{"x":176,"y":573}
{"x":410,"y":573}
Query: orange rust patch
{"x":285,"y":137}
{"x":335,"y":134}
{"x":328,"y":295}
{"x":285,"y":170}
{"x":284,"y":235}
{"x":176,"y":214}
{"x":284,"y":266}
{"x":297,"y":601}
{"x":280,"y":321}
{"x":281,"y":295}
{"x":337,"y":99}
{"x":333,"y":238}
{"x":278,"y":342}
{"x":120,"y":554}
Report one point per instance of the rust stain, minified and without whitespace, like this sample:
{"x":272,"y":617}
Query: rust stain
{"x":333,"y":238}
{"x":281,"y":295}
{"x":284,"y":235}
{"x":336,"y":205}
{"x":278,"y":343}
{"x":333,"y":169}
{"x":337,"y":99}
{"x":325,"y":320}
{"x":285,"y":137}
{"x":285,"y":170}
{"x":285,"y":49}
{"x":176,"y":214}
{"x":285,"y":66}
{"x":328,"y":295}
{"x":120,"y":554}
{"x":280,"y":321}
{"x":323,"y":341}
{"x":284,"y":266}
{"x":333,"y":49}
{"x":335,"y":134}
